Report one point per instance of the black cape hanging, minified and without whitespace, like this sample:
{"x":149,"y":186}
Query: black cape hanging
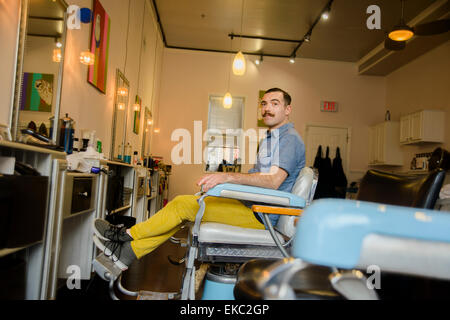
{"x":339,"y":178}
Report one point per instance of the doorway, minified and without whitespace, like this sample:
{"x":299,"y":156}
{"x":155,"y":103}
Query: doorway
{"x":328,"y":136}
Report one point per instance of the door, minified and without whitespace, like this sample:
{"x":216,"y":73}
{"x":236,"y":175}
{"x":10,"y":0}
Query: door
{"x":405,"y":128}
{"x":416,"y":126}
{"x":327,"y":136}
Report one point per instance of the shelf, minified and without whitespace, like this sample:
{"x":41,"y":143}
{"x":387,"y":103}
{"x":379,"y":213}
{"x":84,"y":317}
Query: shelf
{"x":7,"y":251}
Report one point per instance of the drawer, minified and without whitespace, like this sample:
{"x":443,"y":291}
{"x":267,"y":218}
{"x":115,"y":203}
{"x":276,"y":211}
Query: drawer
{"x":81,"y":194}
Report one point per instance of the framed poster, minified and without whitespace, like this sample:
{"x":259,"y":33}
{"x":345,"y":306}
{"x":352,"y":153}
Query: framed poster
{"x":101,"y":26}
{"x":261,"y":123}
{"x":137,"y":114}
{"x":37,"y":92}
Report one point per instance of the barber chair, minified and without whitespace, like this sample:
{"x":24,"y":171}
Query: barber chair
{"x":225,"y":247}
{"x":338,"y":241}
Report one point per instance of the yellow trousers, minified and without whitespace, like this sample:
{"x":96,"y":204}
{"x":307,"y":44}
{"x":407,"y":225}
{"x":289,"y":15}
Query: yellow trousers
{"x":150,"y":234}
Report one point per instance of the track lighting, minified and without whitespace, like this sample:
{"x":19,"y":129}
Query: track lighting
{"x":307,"y":38}
{"x":259,"y":60}
{"x":292,"y":59}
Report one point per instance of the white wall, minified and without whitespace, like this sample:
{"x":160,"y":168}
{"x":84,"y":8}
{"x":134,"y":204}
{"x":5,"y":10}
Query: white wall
{"x":424,"y":83}
{"x":189,"y":77}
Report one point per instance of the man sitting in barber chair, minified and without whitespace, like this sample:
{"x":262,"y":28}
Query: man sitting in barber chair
{"x":281,"y":157}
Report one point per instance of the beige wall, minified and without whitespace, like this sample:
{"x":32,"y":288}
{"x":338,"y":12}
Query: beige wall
{"x":188,"y":78}
{"x":422,"y":84}
{"x":93,"y":110}
{"x":9,"y":20}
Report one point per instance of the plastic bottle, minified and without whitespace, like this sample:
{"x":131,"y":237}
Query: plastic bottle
{"x":135,"y":158}
{"x":119,"y":152}
{"x":128,"y":153}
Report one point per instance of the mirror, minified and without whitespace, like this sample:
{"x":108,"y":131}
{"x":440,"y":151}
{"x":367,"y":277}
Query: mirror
{"x":148,"y":124}
{"x":119,"y":151}
{"x":39,"y":70}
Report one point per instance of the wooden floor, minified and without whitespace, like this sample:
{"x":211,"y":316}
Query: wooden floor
{"x":153,"y":272}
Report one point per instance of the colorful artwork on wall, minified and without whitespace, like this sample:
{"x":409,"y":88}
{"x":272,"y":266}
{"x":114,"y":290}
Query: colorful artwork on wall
{"x":101,"y":26}
{"x":137,"y":114}
{"x":37,"y":92}
{"x":261,"y":123}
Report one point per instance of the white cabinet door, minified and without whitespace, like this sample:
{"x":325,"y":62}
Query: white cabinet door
{"x":416,"y":126}
{"x":372,"y":145}
{"x":405,"y":128}
{"x":380,"y":155}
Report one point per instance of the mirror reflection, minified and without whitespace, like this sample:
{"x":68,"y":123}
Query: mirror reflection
{"x":119,"y":151}
{"x":41,"y":74}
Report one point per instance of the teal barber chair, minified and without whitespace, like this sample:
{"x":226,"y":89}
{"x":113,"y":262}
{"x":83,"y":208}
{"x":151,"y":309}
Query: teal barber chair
{"x":226,"y":247}
{"x":338,"y":241}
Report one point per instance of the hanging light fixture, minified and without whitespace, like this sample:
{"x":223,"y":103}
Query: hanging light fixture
{"x":228,"y":101}
{"x":239,"y":64}
{"x":121,"y":106}
{"x":401,"y":32}
{"x":87,"y":58}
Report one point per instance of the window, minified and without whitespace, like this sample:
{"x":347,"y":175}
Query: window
{"x":224,"y":135}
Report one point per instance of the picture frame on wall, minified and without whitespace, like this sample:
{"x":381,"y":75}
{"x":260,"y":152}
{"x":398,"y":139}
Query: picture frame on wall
{"x":37,"y":92}
{"x":100,"y":37}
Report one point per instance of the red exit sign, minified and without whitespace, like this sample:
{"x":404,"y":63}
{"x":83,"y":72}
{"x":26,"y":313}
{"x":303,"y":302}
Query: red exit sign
{"x":328,"y":106}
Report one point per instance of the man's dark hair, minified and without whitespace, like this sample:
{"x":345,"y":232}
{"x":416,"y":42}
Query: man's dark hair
{"x":286,"y":96}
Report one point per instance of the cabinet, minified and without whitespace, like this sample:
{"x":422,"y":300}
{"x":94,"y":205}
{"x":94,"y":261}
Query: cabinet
{"x":36,"y":257}
{"x":384,"y":148}
{"x":422,"y":126}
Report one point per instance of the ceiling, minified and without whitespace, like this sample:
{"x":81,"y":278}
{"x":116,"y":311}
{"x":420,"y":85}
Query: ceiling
{"x":207,"y":25}
{"x":46,"y":18}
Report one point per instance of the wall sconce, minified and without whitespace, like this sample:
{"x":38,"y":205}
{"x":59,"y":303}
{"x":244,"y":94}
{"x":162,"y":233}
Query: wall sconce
{"x":157,"y":130}
{"x":87,"y":58}
{"x":57,"y":55}
{"x":122,"y":91}
{"x":150,"y":122}
{"x":121,"y":106}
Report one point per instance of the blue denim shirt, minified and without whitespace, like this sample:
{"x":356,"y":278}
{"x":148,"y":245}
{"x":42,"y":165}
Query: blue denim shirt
{"x":285,"y":149}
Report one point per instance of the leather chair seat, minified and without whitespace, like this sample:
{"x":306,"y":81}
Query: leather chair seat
{"x":310,"y":283}
{"x":211,"y":232}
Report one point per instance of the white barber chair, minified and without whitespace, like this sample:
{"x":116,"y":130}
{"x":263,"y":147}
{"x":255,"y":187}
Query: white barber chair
{"x":224,"y":244}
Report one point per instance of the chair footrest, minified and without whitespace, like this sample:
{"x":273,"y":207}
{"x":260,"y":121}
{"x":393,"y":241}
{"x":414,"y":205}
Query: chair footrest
{"x":236,"y":253}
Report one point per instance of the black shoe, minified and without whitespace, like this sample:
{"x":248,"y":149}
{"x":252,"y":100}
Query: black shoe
{"x":108,"y":232}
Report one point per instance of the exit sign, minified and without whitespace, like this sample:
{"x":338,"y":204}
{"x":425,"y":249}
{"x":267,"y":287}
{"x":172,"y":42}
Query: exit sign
{"x":328,"y":106}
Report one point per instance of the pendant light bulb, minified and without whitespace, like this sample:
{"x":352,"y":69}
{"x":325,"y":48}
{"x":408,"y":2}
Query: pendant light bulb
{"x":239,"y":64}
{"x":227,"y":101}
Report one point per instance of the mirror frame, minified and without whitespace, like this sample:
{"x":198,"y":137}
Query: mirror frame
{"x":21,"y":40}
{"x":119,"y":77}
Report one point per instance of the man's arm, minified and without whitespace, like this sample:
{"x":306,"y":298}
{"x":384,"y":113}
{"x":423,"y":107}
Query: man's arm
{"x":272,"y":180}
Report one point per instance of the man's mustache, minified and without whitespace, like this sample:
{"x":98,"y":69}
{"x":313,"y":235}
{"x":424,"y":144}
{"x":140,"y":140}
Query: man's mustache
{"x":268,"y":114}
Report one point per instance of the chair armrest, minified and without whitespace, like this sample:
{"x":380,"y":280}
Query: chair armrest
{"x":277,"y":210}
{"x":340,"y":233}
{"x":257,"y":194}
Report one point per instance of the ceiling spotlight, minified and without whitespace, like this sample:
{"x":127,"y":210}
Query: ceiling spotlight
{"x":325,"y":15}
{"x":307,"y":38}
{"x":259,"y":60}
{"x":292,"y":59}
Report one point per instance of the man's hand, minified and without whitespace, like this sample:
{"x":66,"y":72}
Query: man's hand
{"x":209,"y":181}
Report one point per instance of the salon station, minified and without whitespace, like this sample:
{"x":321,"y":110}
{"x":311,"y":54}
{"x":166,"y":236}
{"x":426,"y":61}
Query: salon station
{"x":111,"y":109}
